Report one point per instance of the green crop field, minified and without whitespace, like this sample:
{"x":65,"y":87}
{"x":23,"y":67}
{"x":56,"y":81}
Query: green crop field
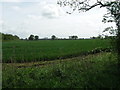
{"x":31,"y":51}
{"x":54,"y":67}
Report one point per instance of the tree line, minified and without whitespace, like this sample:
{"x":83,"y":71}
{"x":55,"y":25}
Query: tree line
{"x":74,"y":37}
{"x":53,"y":37}
{"x":9,"y":37}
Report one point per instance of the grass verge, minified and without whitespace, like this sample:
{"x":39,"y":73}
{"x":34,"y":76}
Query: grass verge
{"x":92,"y":71}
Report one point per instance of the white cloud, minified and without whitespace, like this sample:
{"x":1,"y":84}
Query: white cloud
{"x":44,"y":10}
{"x":10,"y":0}
{"x":23,"y":0}
{"x":52,"y":11}
{"x":33,"y":16}
{"x":43,"y":19}
{"x":1,"y":21}
{"x":16,"y":8}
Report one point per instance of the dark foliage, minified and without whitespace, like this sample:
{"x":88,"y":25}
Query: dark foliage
{"x":31,"y":37}
{"x":36,"y":37}
{"x":73,"y":37}
{"x":9,"y":37}
{"x":53,"y":37}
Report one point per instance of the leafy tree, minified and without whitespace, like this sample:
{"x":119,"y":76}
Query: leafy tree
{"x":113,"y":13}
{"x":36,"y":37}
{"x":73,"y":37}
{"x":9,"y":37}
{"x":16,"y":37}
{"x":31,"y":37}
{"x":53,"y":37}
{"x":99,"y":37}
{"x":93,"y":37}
{"x":111,"y":31}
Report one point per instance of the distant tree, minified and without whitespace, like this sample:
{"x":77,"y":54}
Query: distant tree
{"x":93,"y":37}
{"x":70,"y":37}
{"x":31,"y":37}
{"x":99,"y":37}
{"x":36,"y":37}
{"x":73,"y":37}
{"x":16,"y":37}
{"x":9,"y":37}
{"x":25,"y":38}
{"x":22,"y":39}
{"x":53,"y":37}
{"x":45,"y":38}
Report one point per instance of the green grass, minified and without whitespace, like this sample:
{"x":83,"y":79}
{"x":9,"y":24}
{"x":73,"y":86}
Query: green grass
{"x":92,"y":71}
{"x":31,"y":51}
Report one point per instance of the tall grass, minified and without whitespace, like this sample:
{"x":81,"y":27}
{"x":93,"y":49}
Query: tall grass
{"x":93,"y":71}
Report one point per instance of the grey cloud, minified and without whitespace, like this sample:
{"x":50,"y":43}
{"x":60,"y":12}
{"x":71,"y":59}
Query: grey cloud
{"x":51,"y":11}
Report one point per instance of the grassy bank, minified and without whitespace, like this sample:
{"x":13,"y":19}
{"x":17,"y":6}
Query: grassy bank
{"x":92,"y":71}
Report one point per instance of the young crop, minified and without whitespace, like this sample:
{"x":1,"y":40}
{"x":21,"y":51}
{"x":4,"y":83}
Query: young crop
{"x":32,"y":51}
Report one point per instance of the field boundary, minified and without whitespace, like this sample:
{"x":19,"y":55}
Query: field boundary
{"x":58,"y":61}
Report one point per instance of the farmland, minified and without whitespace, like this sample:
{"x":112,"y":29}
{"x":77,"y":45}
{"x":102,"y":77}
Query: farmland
{"x":59,"y":64}
{"x":32,"y":51}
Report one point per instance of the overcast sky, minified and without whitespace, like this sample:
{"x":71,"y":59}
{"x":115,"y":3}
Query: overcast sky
{"x":45,"y":18}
